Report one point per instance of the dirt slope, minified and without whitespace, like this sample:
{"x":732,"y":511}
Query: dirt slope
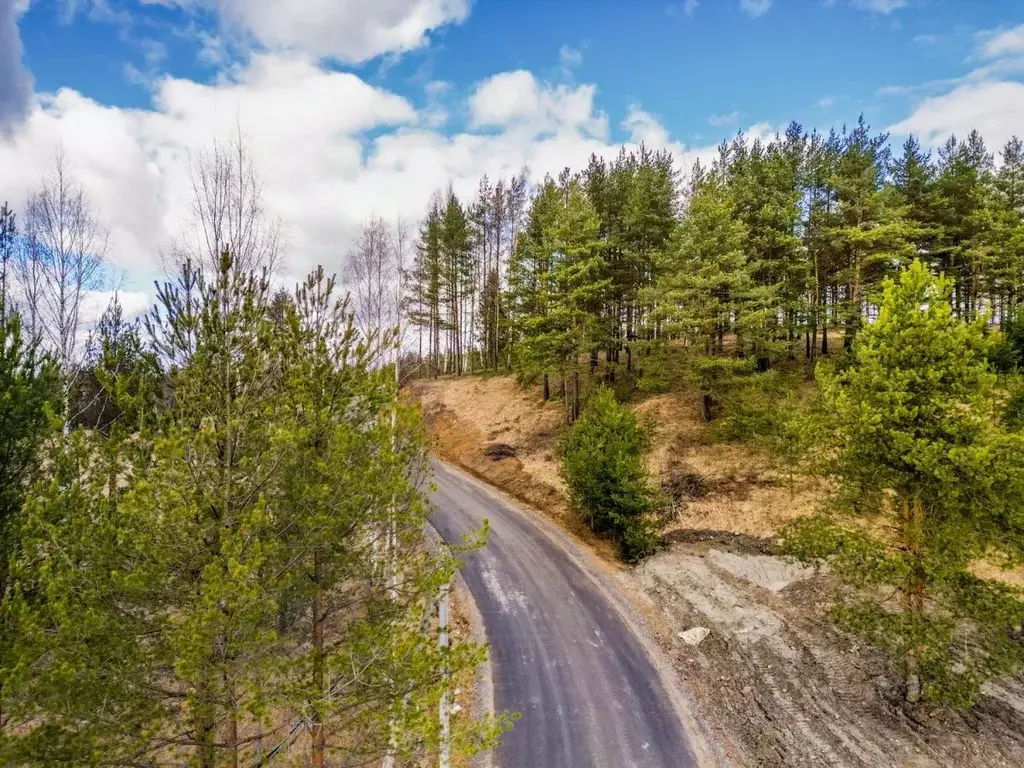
{"x":733,"y":487}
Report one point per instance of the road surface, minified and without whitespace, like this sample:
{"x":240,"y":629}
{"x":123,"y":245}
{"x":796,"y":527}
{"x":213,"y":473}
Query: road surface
{"x":561,"y":655}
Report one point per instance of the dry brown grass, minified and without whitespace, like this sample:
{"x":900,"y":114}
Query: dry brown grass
{"x":745,"y":492}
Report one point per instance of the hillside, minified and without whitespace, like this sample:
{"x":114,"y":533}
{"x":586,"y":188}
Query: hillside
{"x":715,"y":486}
{"x":777,"y":683}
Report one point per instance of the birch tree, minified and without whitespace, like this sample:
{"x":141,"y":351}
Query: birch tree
{"x":228,"y":213}
{"x":64,"y":258}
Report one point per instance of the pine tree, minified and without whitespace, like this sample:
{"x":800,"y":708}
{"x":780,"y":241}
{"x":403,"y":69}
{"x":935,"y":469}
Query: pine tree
{"x":424,"y":303}
{"x":871,"y":235}
{"x":603,"y":465}
{"x":914,"y":179}
{"x":358,"y":575}
{"x":763,"y":184}
{"x":918,"y":454}
{"x":1006,"y":234}
{"x":8,"y":235}
{"x":456,"y":280}
{"x":29,"y":389}
{"x":706,"y":288}
{"x":963,"y":188}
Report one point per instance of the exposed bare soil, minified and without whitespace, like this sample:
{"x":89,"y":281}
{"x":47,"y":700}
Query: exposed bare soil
{"x":781,"y":686}
{"x":777,"y":682}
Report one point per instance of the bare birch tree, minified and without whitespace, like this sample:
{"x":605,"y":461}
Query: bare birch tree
{"x":370,"y":275}
{"x":63,"y":258}
{"x":228,"y":214}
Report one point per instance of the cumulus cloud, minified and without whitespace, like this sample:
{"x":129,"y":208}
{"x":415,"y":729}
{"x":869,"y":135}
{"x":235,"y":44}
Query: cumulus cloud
{"x":996,"y":109}
{"x":989,"y":98}
{"x":351,"y":30}
{"x":1008,"y":42}
{"x":755,"y":8}
{"x":332,"y":149}
{"x":518,"y":100}
{"x":15,"y":81}
{"x":302,"y":124}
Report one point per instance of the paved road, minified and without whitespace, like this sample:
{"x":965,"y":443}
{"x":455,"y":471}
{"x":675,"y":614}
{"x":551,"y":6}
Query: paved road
{"x":561,"y":655}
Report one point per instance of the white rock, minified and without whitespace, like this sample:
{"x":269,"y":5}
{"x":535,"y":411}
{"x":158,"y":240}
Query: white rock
{"x":694,"y":636}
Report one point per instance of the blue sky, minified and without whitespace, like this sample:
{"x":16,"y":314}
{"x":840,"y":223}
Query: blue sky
{"x":813,"y":61}
{"x":355,"y":108}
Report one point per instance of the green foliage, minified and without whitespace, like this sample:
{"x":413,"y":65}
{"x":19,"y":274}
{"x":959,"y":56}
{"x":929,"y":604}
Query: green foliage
{"x":656,"y":368}
{"x":1013,"y":412}
{"x":603,"y":464}
{"x":1007,"y":354}
{"x":121,"y":388}
{"x":561,"y":280}
{"x":918,"y":453}
{"x":247,"y":553}
{"x":29,"y":394}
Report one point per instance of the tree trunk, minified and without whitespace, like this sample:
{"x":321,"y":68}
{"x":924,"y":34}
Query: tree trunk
{"x":824,"y":330}
{"x":913,"y":598}
{"x":318,"y":736}
{"x":547,"y":388}
{"x":205,"y":735}
{"x":707,"y":403}
{"x":575,"y":395}
{"x":232,"y":737}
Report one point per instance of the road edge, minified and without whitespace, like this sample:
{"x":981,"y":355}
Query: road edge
{"x":707,"y":752}
{"x":483,"y":681}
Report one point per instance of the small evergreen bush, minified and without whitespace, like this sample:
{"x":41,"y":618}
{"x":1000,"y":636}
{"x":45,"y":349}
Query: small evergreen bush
{"x":603,"y":465}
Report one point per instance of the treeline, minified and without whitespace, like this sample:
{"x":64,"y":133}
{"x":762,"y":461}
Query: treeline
{"x":213,"y":527}
{"x":772,"y":250}
{"x":894,"y":278}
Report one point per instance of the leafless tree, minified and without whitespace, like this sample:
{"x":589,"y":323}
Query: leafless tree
{"x":63,"y":258}
{"x":228,"y":214}
{"x":370,"y":275}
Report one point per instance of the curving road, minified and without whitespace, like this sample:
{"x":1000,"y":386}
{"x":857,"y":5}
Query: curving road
{"x":561,"y":655}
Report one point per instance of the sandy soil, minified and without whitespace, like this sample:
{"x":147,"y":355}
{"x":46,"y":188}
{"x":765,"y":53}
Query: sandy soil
{"x":740,"y":490}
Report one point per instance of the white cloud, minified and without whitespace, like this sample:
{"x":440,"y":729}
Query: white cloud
{"x":95,"y":303}
{"x":755,"y":8}
{"x":880,"y":6}
{"x":518,"y":100}
{"x":995,"y":109}
{"x":826,"y":101}
{"x":989,"y":98}
{"x":302,"y":124}
{"x":721,"y":120}
{"x":925,"y":39}
{"x":349,"y":30}
{"x":333,"y":151}
{"x":1008,"y":42}
{"x":570,"y":57}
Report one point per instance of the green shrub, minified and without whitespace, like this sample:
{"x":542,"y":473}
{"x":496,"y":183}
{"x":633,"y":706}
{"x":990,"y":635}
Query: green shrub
{"x":603,"y":465}
{"x":1006,"y":353}
{"x":1013,"y":414}
{"x":654,"y":368}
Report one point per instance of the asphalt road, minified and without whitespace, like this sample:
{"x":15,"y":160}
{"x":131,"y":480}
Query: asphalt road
{"x":588,"y":694}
